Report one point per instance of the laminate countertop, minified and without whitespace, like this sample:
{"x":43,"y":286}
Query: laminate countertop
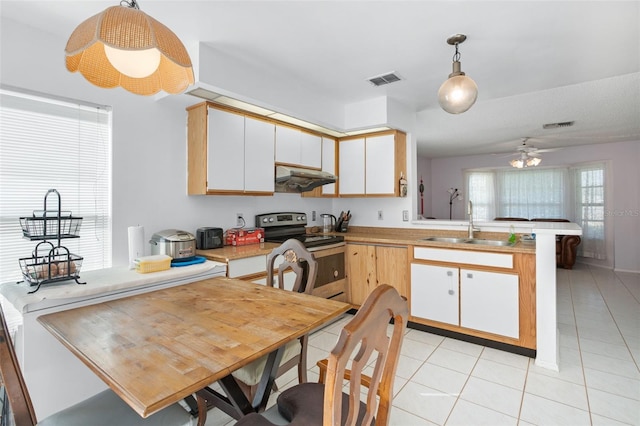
{"x":373,"y":235}
{"x":227,"y":253}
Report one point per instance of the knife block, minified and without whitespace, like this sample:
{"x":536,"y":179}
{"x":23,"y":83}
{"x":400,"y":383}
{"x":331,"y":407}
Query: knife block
{"x":343,"y":226}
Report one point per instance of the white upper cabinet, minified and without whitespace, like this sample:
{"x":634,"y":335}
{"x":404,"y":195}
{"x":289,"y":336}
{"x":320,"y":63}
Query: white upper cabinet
{"x":310,"y":150}
{"x":352,"y":163}
{"x":372,"y":165}
{"x":228,"y":152}
{"x":298,"y":148}
{"x":225,"y":148}
{"x":380,"y":174}
{"x":259,"y":172}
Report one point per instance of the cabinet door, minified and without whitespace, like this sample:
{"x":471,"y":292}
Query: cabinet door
{"x":259,"y":174}
{"x":380,"y":165}
{"x":351,"y":167}
{"x":434,"y":293}
{"x":329,"y":163}
{"x":391,"y":267}
{"x":225,"y":150}
{"x":361,"y":271}
{"x":310,"y":150}
{"x":489,"y":302}
{"x":287,"y":145}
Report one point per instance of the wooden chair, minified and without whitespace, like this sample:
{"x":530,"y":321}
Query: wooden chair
{"x":305,"y":267}
{"x":103,"y":409}
{"x":364,"y":337}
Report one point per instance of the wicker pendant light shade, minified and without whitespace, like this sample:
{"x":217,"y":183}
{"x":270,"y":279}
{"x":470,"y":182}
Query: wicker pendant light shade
{"x":118,"y":33}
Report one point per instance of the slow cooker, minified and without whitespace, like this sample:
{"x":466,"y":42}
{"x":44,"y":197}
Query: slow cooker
{"x":180,"y":245}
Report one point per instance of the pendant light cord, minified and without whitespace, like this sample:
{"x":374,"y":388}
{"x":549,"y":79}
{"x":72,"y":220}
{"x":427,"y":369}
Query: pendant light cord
{"x":131,"y":3}
{"x":456,"y":56}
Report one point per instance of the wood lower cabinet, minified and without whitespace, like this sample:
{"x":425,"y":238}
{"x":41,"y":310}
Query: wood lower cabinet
{"x":368,"y":266}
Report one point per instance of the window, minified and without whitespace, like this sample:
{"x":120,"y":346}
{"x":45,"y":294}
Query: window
{"x":545,"y":193}
{"x":480,"y":188}
{"x":57,"y":144}
{"x":531,"y":194}
{"x":589,"y":208}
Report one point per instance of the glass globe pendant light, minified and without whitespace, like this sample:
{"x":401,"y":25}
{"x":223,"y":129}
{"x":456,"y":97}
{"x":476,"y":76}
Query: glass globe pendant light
{"x":459,"y":92}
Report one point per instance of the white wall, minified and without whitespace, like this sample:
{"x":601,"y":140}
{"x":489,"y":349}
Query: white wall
{"x":625,"y":203}
{"x":149,"y":159}
{"x":149,"y":146}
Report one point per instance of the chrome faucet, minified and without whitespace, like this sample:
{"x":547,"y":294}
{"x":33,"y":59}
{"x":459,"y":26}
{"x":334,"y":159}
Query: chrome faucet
{"x":470,"y":213}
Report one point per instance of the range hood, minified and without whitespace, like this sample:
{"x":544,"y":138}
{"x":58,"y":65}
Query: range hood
{"x":297,"y":179}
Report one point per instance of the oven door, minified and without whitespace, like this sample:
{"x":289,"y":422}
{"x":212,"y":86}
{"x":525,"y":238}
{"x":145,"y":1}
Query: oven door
{"x":331,"y":282}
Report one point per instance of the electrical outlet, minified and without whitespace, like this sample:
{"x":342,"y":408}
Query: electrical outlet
{"x":240,"y":220}
{"x":405,"y":215}
{"x":379,"y":214}
{"x":313,"y":215}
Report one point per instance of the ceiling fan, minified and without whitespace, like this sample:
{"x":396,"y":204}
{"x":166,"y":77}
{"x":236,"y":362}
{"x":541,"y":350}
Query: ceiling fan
{"x":528,"y":155}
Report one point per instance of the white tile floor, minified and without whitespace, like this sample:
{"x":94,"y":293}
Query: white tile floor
{"x":442,"y":381}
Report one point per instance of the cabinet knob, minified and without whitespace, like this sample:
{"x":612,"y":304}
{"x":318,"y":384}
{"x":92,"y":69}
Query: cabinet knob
{"x":451,"y":292}
{"x":469,"y":275}
{"x":449,"y":273}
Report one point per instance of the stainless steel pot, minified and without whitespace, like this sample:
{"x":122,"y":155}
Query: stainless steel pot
{"x":180,"y":245}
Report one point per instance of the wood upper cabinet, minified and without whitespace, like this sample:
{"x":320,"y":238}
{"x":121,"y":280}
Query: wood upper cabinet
{"x":298,"y":148}
{"x":369,"y":266}
{"x":372,"y":165}
{"x":229,"y":152}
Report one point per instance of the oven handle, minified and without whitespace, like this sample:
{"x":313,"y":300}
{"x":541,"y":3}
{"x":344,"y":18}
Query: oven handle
{"x":326,"y":247}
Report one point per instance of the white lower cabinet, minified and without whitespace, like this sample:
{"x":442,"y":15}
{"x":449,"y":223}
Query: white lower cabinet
{"x":434,"y":293}
{"x":489,"y":302}
{"x":237,"y":268}
{"x":479,"y":300}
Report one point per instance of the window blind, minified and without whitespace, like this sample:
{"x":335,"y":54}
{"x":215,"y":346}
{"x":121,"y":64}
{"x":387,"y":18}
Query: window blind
{"x":48,"y":143}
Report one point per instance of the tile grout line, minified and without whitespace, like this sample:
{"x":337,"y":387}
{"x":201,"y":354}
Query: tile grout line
{"x":464,"y":385}
{"x":575,"y":321}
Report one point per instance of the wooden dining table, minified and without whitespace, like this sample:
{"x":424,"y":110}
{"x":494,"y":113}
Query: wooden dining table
{"x":157,"y":348}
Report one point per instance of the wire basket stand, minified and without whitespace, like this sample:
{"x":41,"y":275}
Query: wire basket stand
{"x":49,"y":262}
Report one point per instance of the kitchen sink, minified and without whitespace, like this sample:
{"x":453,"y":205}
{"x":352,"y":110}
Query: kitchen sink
{"x":445,"y":239}
{"x":468,"y":241}
{"x":488,"y":242}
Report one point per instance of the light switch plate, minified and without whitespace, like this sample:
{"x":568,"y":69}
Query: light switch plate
{"x":405,"y":215}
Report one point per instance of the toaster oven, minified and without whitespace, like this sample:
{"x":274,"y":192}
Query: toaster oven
{"x":209,"y":238}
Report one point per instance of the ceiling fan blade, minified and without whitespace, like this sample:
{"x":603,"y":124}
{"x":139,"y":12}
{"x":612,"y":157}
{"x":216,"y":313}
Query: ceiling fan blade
{"x":548,"y":149}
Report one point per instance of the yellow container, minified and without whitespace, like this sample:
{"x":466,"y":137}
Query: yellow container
{"x":155,"y":263}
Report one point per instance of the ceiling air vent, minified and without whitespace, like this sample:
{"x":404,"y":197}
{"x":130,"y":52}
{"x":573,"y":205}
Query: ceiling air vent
{"x":558,"y":125}
{"x":381,"y":80}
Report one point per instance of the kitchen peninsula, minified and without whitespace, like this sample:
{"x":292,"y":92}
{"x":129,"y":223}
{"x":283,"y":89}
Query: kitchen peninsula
{"x":543,"y":274}
{"x":517,"y":313}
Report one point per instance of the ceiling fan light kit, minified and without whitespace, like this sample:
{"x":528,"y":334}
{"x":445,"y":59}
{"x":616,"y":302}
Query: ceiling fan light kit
{"x":123,"y":46}
{"x":527,"y":157}
{"x":459,"y":92}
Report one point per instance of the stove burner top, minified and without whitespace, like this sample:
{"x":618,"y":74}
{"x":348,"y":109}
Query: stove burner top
{"x":307,"y":239}
{"x":279,"y":227}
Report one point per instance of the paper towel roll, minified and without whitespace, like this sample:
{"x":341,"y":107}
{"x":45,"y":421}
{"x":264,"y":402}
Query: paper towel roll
{"x":136,"y":244}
